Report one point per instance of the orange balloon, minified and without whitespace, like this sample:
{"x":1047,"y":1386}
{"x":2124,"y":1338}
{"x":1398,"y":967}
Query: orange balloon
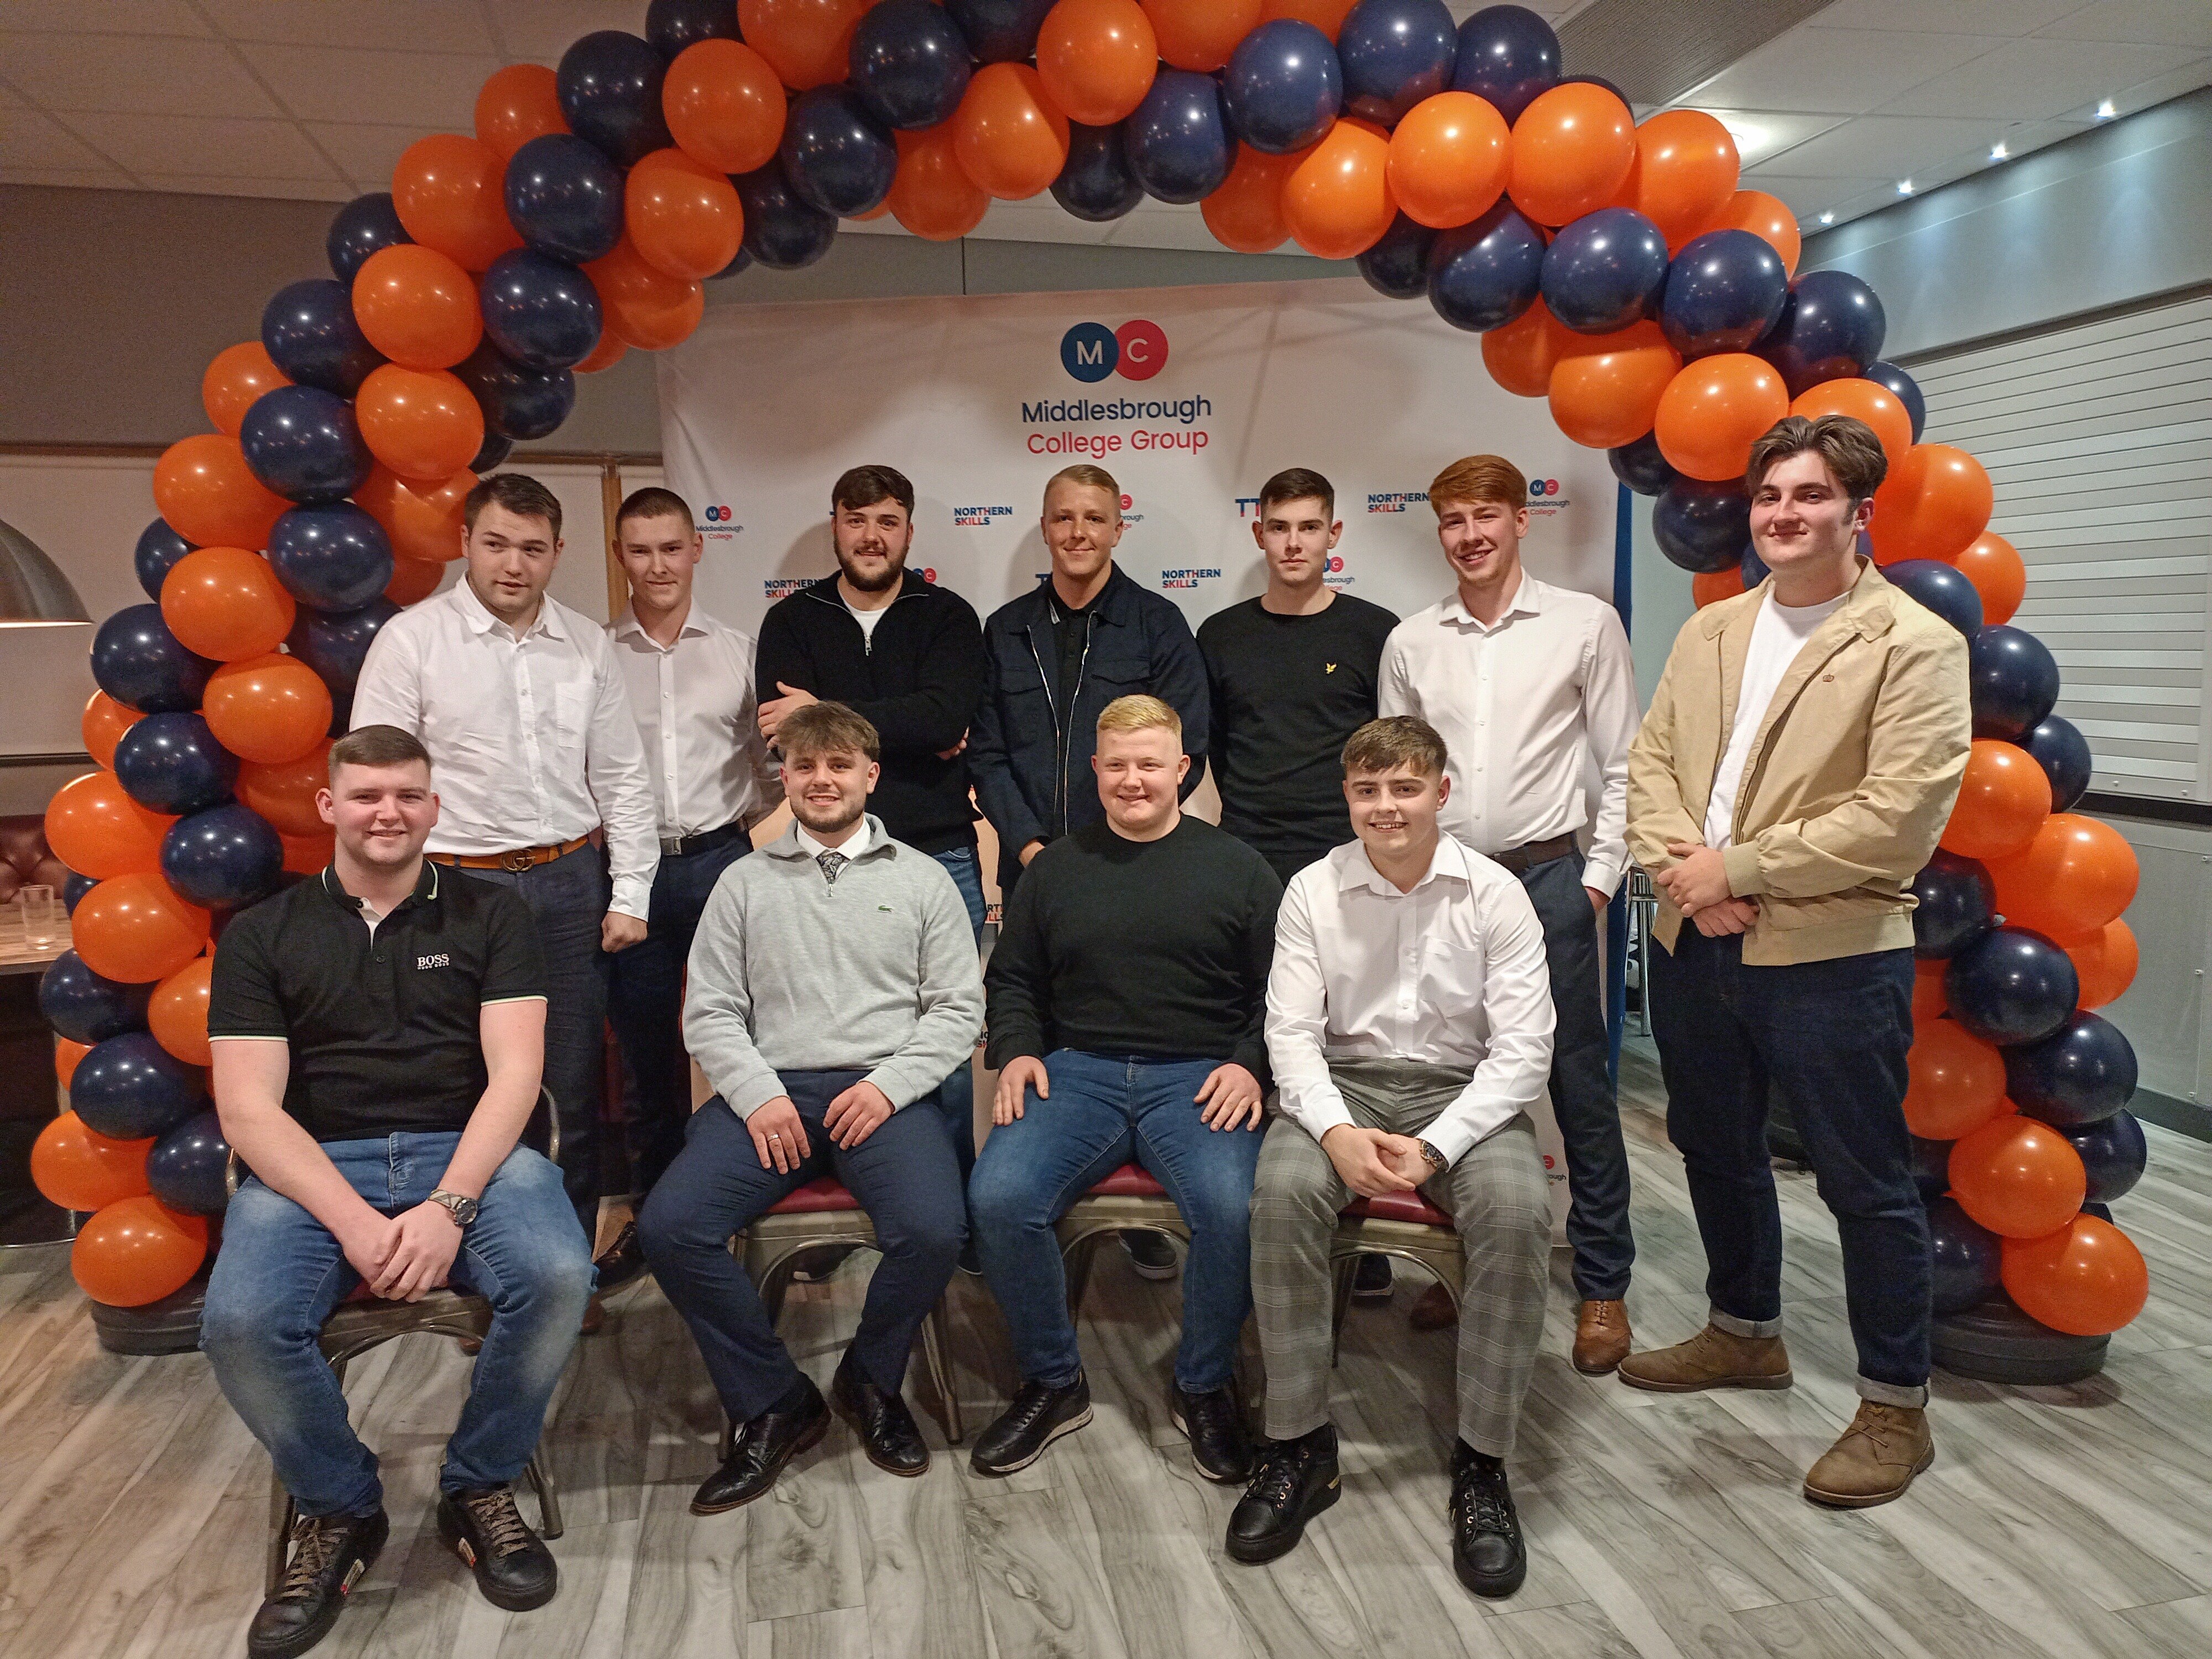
{"x":683,"y":217}
{"x":1520,"y":356}
{"x":226,"y":602}
{"x":517,"y":103}
{"x":1929,"y":998}
{"x":1862,"y":400}
{"x":1199,"y":34}
{"x":1955,"y":1082}
{"x":647,"y":309}
{"x":1245,"y":211}
{"x":267,"y":710}
{"x":724,"y":105}
{"x":66,"y":1055}
{"x":104,"y":723}
{"x":133,"y":928}
{"x":1767,"y":217}
{"x":806,"y":42}
{"x":1572,"y":147}
{"x":413,"y":580}
{"x":930,"y":195}
{"x":1683,"y":174}
{"x":234,"y":379}
{"x":451,"y":194}
{"x":2002,"y":801}
{"x":1711,"y":586}
{"x":1009,"y":136}
{"x":1715,"y":410}
{"x":1337,"y":200}
{"x":2018,"y":1177}
{"x":1932,"y":505}
{"x":95,"y":828}
{"x":2106,"y":962}
{"x":424,"y":424}
{"x":177,"y":1015}
{"x":1326,"y":15}
{"x":1448,"y":159}
{"x":79,"y":1169}
{"x":1097,"y":59}
{"x":424,"y":521}
{"x":2087,"y":1278}
{"x":610,"y":351}
{"x":138,"y":1251}
{"x":2075,"y":875}
{"x":418,"y":306}
{"x":1993,"y":565}
{"x":207,"y":494}
{"x":284,"y":791}
{"x":1606,"y":388}
{"x":305,"y":854}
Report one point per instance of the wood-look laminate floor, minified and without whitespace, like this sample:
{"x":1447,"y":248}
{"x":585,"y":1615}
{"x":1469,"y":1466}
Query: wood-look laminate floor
{"x":2072,"y":1522}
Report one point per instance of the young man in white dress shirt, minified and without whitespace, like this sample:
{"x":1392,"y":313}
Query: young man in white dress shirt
{"x":1529,"y":685}
{"x":519,"y":701}
{"x":1409,"y":1029}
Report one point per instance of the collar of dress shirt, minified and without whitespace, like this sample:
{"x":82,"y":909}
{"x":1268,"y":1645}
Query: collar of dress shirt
{"x":855,"y":844}
{"x":627,"y":626}
{"x":478,"y":616}
{"x":1527,"y":601}
{"x":1447,"y":863}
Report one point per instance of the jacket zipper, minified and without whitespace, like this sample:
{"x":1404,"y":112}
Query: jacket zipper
{"x":867,"y":639}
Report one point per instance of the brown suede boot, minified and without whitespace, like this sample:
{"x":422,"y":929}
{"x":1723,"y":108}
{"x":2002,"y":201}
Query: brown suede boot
{"x":1877,"y":1459}
{"x":1602,"y":1336}
{"x":1711,"y":1359}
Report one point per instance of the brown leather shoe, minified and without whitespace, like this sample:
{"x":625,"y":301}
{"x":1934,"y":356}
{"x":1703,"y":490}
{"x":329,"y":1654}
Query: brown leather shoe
{"x":1602,"y":1336}
{"x":1433,"y":1310}
{"x":1877,"y":1459}
{"x":1712,"y":1358}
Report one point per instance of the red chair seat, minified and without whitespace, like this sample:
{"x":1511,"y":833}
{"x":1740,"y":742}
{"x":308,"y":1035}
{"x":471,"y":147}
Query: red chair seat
{"x":1396,"y":1207}
{"x":816,"y":1196}
{"x":1130,"y":1182}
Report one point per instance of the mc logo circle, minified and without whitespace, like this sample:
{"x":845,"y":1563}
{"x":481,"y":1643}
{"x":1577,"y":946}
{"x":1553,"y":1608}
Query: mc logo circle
{"x":1137,"y":350}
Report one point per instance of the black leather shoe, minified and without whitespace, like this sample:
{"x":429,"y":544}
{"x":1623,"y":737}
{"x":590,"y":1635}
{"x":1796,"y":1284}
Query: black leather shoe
{"x":1220,"y":1439}
{"x":886,"y":1426}
{"x":329,"y":1553}
{"x":514,"y":1568}
{"x":1153,"y":1255}
{"x":763,"y":1447}
{"x":1371,"y":1280}
{"x":1038,"y":1417}
{"x":1297,"y":1479}
{"x":1487,"y":1552}
{"x":623,"y":1262}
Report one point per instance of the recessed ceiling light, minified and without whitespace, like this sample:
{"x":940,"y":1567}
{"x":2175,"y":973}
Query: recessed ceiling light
{"x":1829,"y":217}
{"x":1998,"y":152}
{"x":1750,"y":137}
{"x":2105,"y":112}
{"x":1905,"y":187}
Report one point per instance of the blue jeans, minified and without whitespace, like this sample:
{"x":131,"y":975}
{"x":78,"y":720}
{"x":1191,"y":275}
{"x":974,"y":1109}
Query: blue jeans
{"x":1105,"y":1111}
{"x":280,"y":1272}
{"x":903,"y":1176}
{"x":956,"y":1095}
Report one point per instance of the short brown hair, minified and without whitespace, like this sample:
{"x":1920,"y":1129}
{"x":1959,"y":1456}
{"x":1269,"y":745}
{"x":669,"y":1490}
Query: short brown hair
{"x":1140,"y":712}
{"x":1299,"y":483}
{"x":1478,"y":478}
{"x":828,"y":728}
{"x":377,"y":746}
{"x":864,"y":486}
{"x":519,"y":494}
{"x":1394,"y":741}
{"x":651,"y":502}
{"x":1090,"y":477}
{"x":1852,"y":454}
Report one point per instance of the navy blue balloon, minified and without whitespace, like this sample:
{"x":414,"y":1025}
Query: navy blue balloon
{"x":129,"y":1087}
{"x":999,"y":31}
{"x":172,"y":763}
{"x":1641,"y":467}
{"x":673,"y":25}
{"x":1943,"y":589}
{"x":159,"y":548}
{"x":1725,"y":290}
{"x":2059,"y":747}
{"x":1283,"y":87}
{"x":2114,"y":1152}
{"x":783,"y":230}
{"x":609,"y":84}
{"x":334,"y":645}
{"x":308,"y":330}
{"x":908,"y":62}
{"x":1605,"y":271}
{"x":1398,"y":265}
{"x":222,"y":858}
{"x":85,"y":1007}
{"x":543,"y":313}
{"x":1965,"y":1255}
{"x":1957,"y":905}
{"x":1177,"y":139}
{"x":1096,"y":184}
{"x":517,"y":402}
{"x":2014,"y":681}
{"x":1831,"y":329}
{"x":1702,"y":527}
{"x":365,"y":225}
{"x":2080,"y":1075}
{"x":564,"y":198}
{"x":136,"y":660}
{"x":334,"y":557}
{"x":74,"y":890}
{"x":1394,"y":54}
{"x":1483,"y":275}
{"x":187,"y":1168}
{"x":2011,"y":985}
{"x":1904,"y":389}
{"x":304,"y":443}
{"x":739,"y":261}
{"x":1753,"y":568}
{"x":838,"y":157}
{"x":1508,"y":54}
{"x":1931,"y":1168}
{"x":494,"y":450}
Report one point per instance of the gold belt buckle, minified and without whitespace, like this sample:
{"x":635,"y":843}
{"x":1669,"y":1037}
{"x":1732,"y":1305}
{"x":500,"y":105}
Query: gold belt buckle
{"x":516,"y":863}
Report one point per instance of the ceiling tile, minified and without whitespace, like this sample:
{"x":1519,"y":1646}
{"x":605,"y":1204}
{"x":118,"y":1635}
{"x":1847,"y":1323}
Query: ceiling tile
{"x":105,"y":17}
{"x":365,"y":154}
{"x":1959,"y":16}
{"x":139,"y":76}
{"x":159,"y":143}
{"x":1844,"y":71}
{"x":2031,"y":80}
{"x":1807,"y":198}
{"x":106,"y":178}
{"x":1762,"y":134}
{"x":420,"y":25}
{"x":1885,"y":146}
{"x":29,"y":139}
{"x":546,"y":29}
{"x":2167,"y":23}
{"x":286,"y":190}
{"x":2186,"y":76}
{"x":398,"y":89}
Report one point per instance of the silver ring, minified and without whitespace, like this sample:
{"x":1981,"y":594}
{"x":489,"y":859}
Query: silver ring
{"x":772,"y":1135}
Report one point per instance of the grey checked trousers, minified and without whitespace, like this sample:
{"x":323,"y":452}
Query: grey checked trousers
{"x":1497,"y":1196}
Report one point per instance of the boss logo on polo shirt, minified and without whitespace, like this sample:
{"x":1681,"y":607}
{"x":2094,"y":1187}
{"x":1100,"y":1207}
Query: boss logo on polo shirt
{"x":440,"y":960}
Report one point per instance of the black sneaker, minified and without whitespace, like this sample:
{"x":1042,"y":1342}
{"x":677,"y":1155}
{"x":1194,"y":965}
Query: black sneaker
{"x":1487,"y":1552}
{"x":763,"y":1447}
{"x":887,"y":1429}
{"x":330,"y":1553}
{"x":1297,"y":1479}
{"x":1370,"y":1279}
{"x":514,"y":1568}
{"x":1152,"y":1254}
{"x":1038,"y":1417}
{"x":1220,"y":1439}
{"x":623,"y":1262}
{"x":814,"y":1265}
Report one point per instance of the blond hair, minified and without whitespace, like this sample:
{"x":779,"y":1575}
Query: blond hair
{"x":1478,"y":478}
{"x":1090,"y":477}
{"x":1139,"y":712}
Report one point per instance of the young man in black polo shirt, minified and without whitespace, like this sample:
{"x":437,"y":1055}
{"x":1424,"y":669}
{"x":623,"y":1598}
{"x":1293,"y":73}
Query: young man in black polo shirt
{"x":378,"y":1033}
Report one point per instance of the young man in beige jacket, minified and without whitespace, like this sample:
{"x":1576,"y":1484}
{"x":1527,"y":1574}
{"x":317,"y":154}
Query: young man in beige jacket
{"x":1803,"y":751}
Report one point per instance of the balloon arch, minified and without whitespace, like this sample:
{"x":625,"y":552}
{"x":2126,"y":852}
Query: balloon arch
{"x":1613,"y":269}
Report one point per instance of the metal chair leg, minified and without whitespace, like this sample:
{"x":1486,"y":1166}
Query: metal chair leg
{"x":1075,"y":1267}
{"x":934,"y":1360}
{"x":549,"y":1500}
{"x":1344,"y":1271}
{"x":281,"y":1517}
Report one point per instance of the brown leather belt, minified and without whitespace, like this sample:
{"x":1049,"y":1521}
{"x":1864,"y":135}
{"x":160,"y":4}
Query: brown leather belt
{"x":526,"y":858}
{"x":1526,"y":857}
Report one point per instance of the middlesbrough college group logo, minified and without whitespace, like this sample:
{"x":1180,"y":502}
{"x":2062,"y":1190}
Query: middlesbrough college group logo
{"x":718,"y":515}
{"x":1136,"y":351}
{"x":1540,"y":487}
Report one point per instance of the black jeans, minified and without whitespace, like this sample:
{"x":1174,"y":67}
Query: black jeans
{"x":1831,"y":1037}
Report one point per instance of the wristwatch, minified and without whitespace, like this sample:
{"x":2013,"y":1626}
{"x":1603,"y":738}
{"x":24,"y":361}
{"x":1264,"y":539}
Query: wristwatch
{"x":463,"y":1210}
{"x":1436,"y":1159}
